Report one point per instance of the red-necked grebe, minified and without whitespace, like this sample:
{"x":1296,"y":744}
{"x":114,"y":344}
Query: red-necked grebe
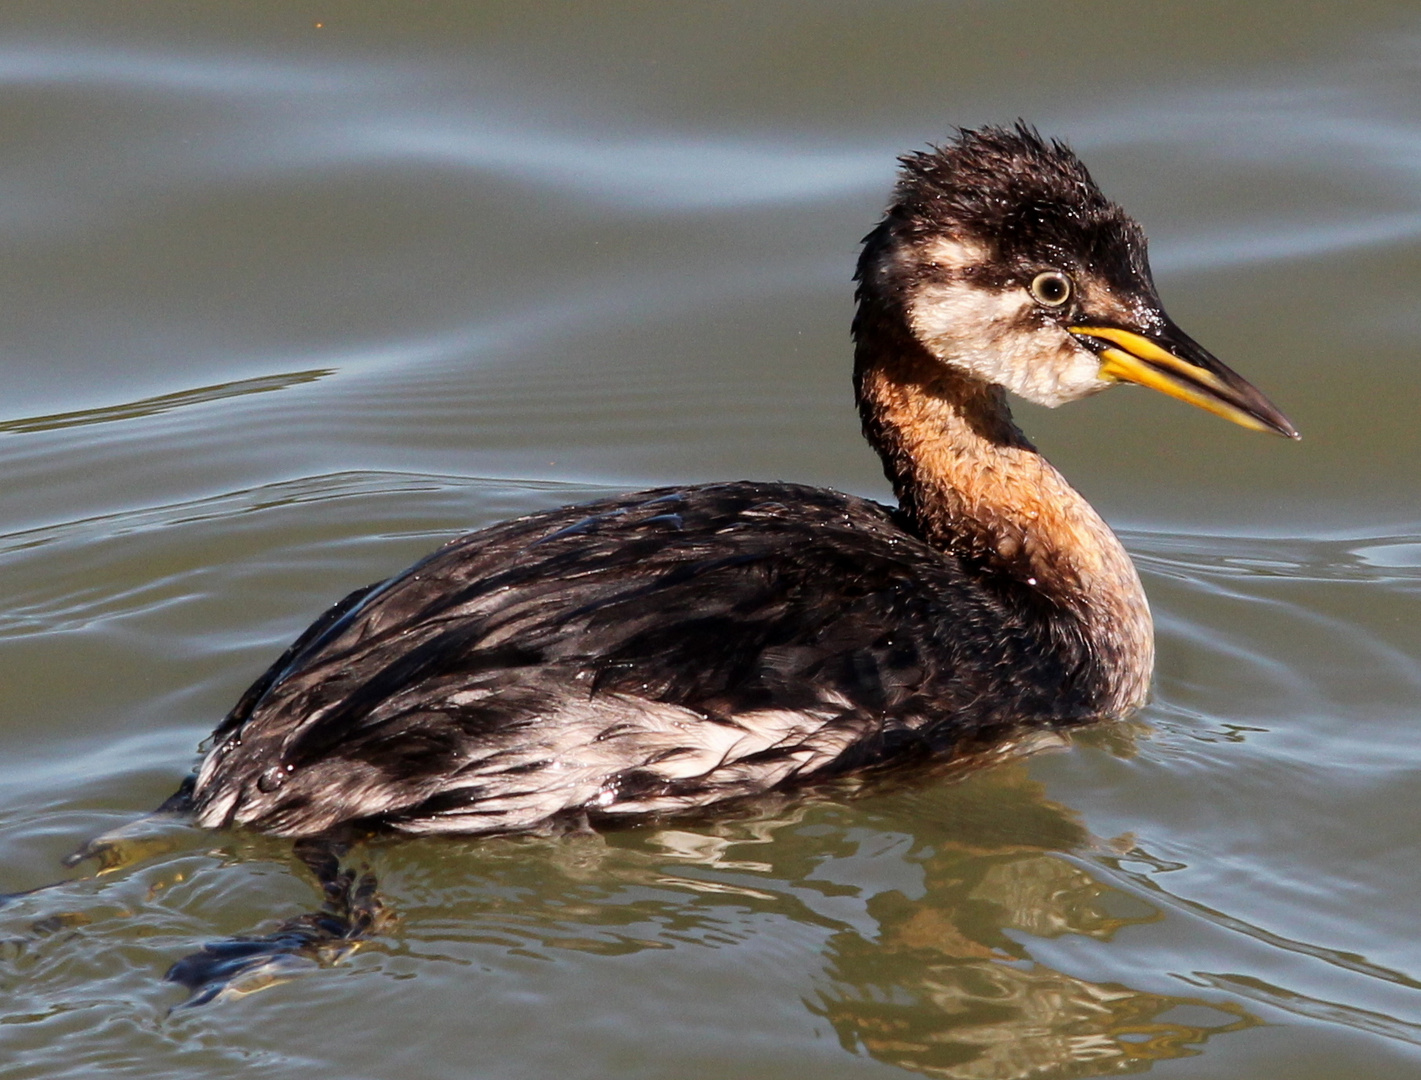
{"x":664,"y":651}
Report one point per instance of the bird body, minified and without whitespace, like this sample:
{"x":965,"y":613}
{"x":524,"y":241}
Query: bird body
{"x":669,"y":650}
{"x":644,"y":655}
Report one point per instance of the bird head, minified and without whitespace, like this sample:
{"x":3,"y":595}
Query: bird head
{"x":1006,"y":262}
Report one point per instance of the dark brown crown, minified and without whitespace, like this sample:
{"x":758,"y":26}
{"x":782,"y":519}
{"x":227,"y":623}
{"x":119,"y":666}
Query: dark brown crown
{"x":1032,"y":203}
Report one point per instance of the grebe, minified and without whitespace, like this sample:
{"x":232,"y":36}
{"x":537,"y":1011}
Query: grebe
{"x":665,"y":651}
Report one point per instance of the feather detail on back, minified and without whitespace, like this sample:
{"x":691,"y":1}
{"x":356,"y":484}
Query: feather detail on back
{"x":644,"y":655}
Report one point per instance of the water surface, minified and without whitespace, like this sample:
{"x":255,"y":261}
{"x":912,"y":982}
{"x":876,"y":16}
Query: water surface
{"x":294,"y":293}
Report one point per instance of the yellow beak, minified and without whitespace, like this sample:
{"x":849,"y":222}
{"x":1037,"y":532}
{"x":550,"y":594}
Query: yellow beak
{"x":1175,"y":365}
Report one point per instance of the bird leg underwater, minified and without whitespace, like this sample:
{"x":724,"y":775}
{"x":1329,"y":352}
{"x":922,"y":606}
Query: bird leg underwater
{"x":350,"y":912}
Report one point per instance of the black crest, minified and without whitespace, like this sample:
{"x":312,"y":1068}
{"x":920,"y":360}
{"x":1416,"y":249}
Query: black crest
{"x":1029,"y":200}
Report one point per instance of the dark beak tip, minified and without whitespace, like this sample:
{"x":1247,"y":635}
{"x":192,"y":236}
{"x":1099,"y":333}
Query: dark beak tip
{"x":1281,"y":426}
{"x":1284,"y":427}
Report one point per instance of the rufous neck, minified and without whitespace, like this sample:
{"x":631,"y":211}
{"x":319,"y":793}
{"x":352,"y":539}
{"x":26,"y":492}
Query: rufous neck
{"x":970,"y":483}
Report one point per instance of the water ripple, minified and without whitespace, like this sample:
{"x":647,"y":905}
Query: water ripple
{"x":161,"y":403}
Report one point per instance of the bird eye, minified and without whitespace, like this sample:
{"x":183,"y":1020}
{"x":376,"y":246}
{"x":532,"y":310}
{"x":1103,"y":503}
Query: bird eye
{"x":1051,"y":288}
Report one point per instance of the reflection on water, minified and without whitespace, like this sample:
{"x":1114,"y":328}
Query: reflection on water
{"x":945,"y":985}
{"x":274,"y":295}
{"x":967,"y":926}
{"x":151,"y":406}
{"x":979,"y":1020}
{"x":938,"y":982}
{"x":1139,"y":868}
{"x":927,"y":938}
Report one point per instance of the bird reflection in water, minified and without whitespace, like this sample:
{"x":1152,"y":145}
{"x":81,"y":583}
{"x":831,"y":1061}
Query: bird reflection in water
{"x":946,"y":987}
{"x":939,"y":980}
{"x":944,"y":991}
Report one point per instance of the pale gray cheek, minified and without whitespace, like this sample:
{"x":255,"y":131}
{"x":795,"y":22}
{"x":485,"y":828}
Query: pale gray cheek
{"x":1073,"y":376}
{"x":968,"y":325}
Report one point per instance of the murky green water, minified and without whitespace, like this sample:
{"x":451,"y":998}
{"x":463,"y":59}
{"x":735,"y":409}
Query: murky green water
{"x":285,"y":304}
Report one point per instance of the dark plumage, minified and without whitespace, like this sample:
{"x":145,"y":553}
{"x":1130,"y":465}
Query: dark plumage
{"x":1030,"y":198}
{"x":664,"y":651}
{"x":734,"y":606}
